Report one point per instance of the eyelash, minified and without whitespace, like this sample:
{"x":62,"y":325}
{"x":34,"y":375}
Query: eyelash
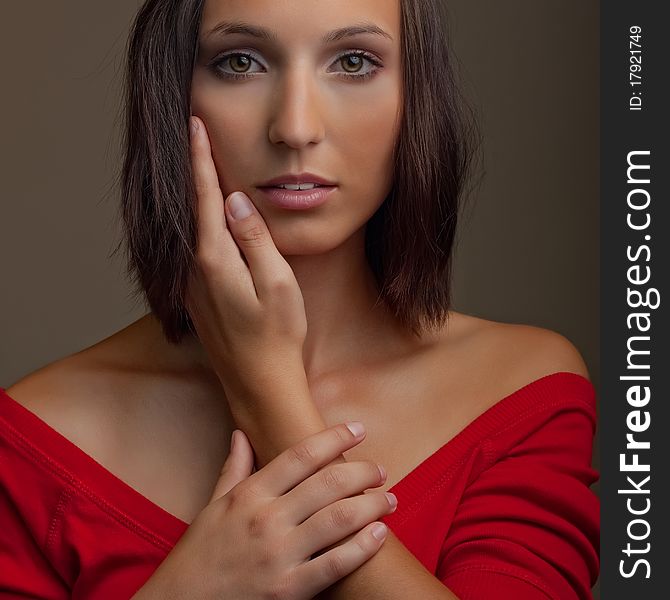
{"x":223,"y":75}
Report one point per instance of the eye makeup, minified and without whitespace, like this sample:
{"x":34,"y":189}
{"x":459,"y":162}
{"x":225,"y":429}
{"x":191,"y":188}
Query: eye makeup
{"x":362,"y":56}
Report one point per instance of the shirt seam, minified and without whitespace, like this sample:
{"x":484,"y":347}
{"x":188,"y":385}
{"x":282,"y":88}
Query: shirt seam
{"x":57,"y":516}
{"x":55,"y":468}
{"x":529,"y":412}
{"x":434,"y":488}
{"x":486,"y":446}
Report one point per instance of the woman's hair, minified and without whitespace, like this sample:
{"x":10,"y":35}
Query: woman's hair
{"x":409,"y":240}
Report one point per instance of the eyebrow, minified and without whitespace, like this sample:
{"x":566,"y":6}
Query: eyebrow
{"x":230,"y":27}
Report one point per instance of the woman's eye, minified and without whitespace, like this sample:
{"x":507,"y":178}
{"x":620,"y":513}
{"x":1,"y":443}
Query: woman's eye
{"x":353,"y":63}
{"x":238,"y":62}
{"x":239,"y":65}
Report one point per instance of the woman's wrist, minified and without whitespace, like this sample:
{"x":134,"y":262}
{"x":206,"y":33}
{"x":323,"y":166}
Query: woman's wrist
{"x":247,"y":381}
{"x":274,"y":408}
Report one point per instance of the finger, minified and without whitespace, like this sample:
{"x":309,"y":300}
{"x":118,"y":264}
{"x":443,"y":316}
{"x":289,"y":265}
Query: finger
{"x":338,"y":520}
{"x":212,"y":231}
{"x":323,"y":571}
{"x":217,"y":251}
{"x":305,"y":458}
{"x":332,"y":483}
{"x":249,"y":230}
{"x":238,"y":466}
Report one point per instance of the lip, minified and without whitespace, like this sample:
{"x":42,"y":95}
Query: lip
{"x":298,"y":178}
{"x":297,"y":199}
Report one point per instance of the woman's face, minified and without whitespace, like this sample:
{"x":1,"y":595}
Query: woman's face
{"x":305,"y":105}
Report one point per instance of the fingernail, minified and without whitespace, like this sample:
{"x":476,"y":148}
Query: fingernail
{"x":356,"y":427}
{"x":393,"y":501}
{"x":379,"y":530}
{"x":194,"y":126}
{"x":239,"y":206}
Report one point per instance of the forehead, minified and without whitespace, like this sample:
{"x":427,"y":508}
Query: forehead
{"x":289,"y":20}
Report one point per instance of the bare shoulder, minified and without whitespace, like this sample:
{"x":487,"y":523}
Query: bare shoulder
{"x":545,"y":351}
{"x":516,"y":354}
{"x":62,"y":395}
{"x":105,"y":397}
{"x":128,"y":405}
{"x":89,"y":381}
{"x":84,"y":395}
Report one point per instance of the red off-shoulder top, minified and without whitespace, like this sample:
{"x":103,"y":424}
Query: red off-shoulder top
{"x":502,"y":511}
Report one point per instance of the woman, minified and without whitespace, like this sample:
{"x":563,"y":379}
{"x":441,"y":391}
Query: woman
{"x":285,"y":314}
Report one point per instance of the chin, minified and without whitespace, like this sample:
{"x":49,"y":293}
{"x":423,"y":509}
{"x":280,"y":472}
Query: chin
{"x":304,"y":247}
{"x":306,"y":239}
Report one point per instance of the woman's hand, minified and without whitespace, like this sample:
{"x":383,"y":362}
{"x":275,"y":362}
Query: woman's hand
{"x":243,"y":297}
{"x":256,"y":537}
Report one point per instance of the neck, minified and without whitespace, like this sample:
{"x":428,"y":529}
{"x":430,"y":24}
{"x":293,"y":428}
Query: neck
{"x":346,"y":326}
{"x":346,"y":321}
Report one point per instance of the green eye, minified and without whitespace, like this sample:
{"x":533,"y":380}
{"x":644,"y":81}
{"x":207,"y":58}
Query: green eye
{"x":355,"y":61}
{"x":240,"y":63}
{"x":347,"y":61}
{"x":241,"y":59}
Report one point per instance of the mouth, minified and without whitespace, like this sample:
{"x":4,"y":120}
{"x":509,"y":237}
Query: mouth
{"x":297,"y":196}
{"x":297,"y":186}
{"x":298,"y":181}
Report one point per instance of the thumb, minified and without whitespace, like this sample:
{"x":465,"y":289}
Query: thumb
{"x":238,"y":466}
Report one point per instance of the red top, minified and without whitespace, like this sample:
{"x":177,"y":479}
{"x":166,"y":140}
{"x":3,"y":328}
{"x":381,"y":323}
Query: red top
{"x":503,"y":510}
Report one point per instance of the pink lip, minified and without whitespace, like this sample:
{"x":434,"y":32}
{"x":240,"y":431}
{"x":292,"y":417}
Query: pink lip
{"x":305,"y":177}
{"x":297,"y":199}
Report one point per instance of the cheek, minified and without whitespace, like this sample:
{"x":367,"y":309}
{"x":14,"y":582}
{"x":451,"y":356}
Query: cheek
{"x":231,"y":150}
{"x":370,"y":145}
{"x":230,"y":137}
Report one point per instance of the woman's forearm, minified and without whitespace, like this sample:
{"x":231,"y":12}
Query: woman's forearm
{"x":393,"y":573}
{"x":282,"y":414}
{"x":275,"y":413}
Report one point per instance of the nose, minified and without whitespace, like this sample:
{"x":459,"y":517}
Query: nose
{"x":296,"y":118}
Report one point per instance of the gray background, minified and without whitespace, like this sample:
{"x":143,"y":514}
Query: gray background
{"x":528,"y":247}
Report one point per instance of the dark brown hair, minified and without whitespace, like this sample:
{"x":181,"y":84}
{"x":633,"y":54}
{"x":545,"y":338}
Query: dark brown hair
{"x":409,"y":240}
